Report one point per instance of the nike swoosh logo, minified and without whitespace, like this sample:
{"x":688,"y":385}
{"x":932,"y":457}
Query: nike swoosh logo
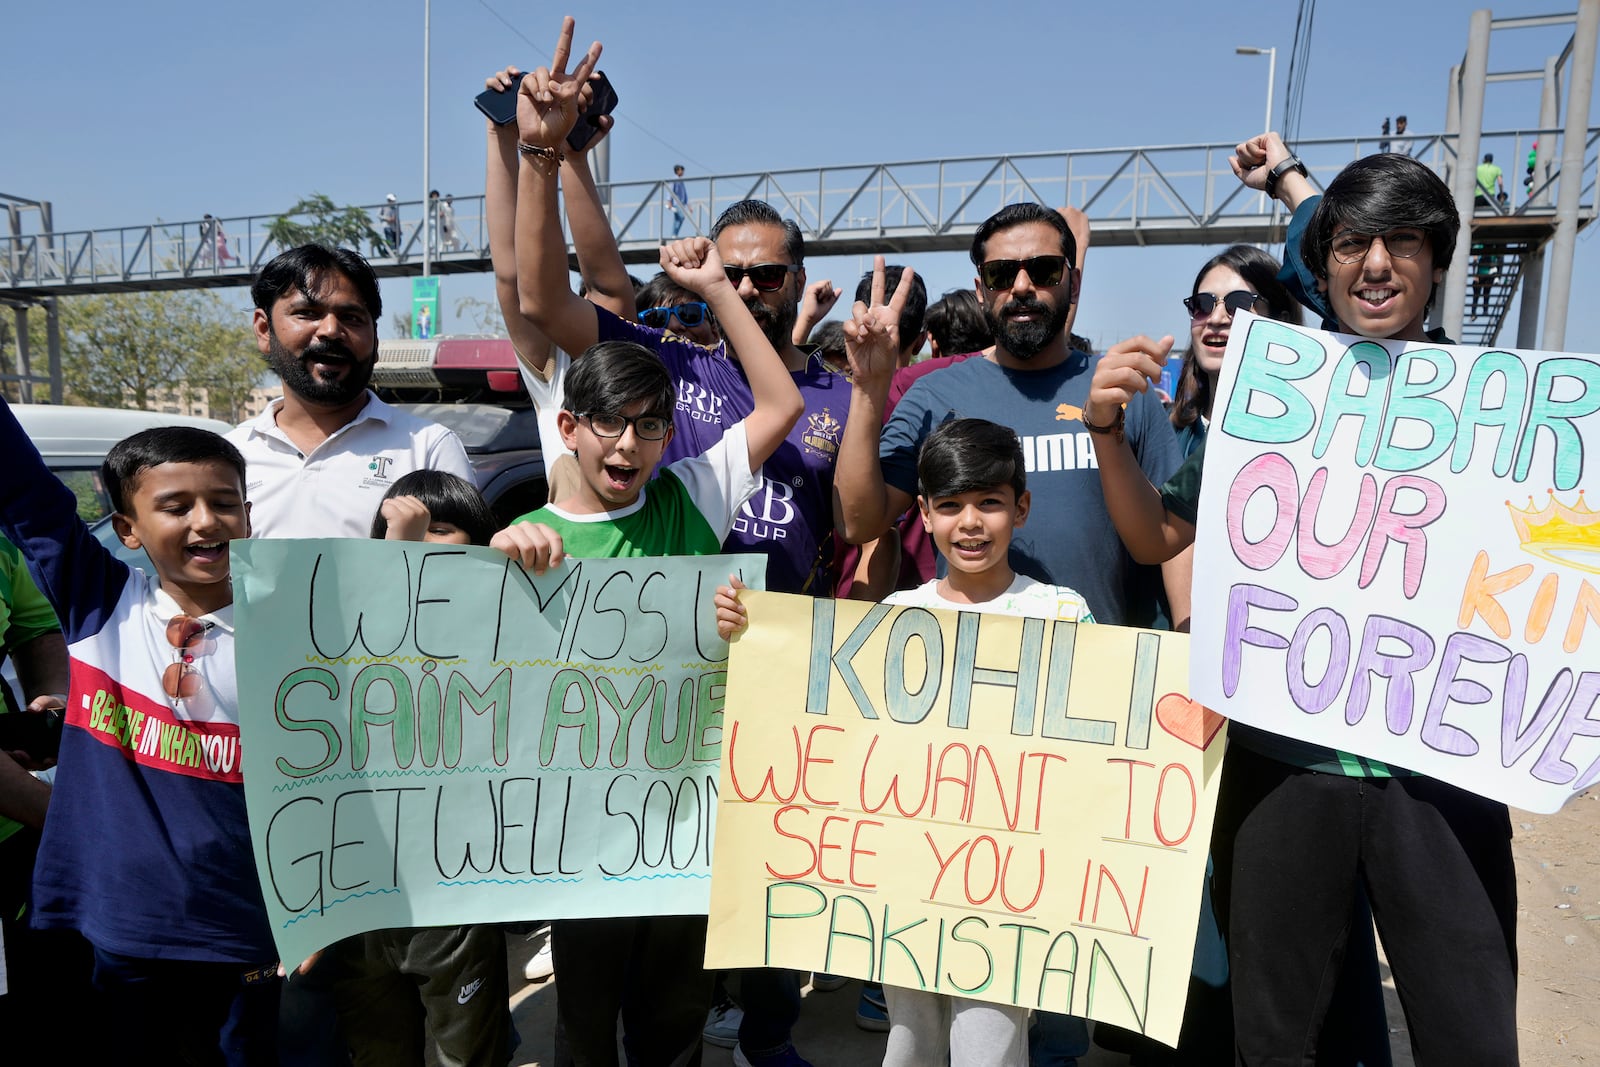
{"x":467,"y":991}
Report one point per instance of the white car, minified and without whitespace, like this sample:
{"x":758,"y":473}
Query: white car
{"x":74,"y":440}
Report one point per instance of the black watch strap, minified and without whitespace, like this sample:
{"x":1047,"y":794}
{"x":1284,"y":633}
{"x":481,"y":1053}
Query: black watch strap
{"x":1284,"y":167}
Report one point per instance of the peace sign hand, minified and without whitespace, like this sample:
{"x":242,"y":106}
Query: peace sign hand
{"x":872,"y":334}
{"x":548,"y":102}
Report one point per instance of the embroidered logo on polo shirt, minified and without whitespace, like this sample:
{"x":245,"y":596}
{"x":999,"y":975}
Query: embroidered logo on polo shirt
{"x":379,"y":478}
{"x":821,"y":435}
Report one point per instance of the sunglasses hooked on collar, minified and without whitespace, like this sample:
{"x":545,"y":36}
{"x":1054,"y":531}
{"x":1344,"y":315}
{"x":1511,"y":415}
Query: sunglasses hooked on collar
{"x":766,"y":277}
{"x":1202,"y":304}
{"x":688,"y":315}
{"x":1043,"y":271}
{"x":190,"y":638}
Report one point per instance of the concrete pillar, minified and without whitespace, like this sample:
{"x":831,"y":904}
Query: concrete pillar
{"x":52,"y":334}
{"x":1474,"y":76}
{"x":24,"y":358}
{"x":1580,"y":85}
{"x":1549,"y":115}
{"x":600,"y":161}
{"x":1532,"y":291}
{"x":1452,"y":118}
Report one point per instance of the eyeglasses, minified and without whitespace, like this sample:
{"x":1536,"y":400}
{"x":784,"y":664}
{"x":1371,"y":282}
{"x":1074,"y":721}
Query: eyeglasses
{"x":1350,"y":247}
{"x":645,"y":427}
{"x":690,"y":315}
{"x":766,"y":277}
{"x":1043,"y":271}
{"x":189,"y":638}
{"x":1201,"y":305}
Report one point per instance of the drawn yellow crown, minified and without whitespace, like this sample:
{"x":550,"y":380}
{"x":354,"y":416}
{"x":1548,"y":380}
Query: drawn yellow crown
{"x":1568,"y":535}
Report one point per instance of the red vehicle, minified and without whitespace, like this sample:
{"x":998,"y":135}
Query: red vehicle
{"x":471,"y":385}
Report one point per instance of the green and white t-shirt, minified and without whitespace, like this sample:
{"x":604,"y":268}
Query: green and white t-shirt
{"x":687,"y":509}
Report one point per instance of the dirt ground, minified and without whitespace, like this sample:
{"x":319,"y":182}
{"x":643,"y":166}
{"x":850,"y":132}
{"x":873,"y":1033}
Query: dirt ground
{"x":1558,"y":936}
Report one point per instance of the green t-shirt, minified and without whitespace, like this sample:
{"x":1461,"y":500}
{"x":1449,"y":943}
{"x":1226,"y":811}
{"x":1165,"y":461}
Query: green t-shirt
{"x":1181,"y":497}
{"x":24,"y":611}
{"x":1488,"y":177}
{"x":24,"y":615}
{"x":687,"y":509}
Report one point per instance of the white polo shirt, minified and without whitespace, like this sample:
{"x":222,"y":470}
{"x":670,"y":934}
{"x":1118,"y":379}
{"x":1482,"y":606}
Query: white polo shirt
{"x":334,"y":490}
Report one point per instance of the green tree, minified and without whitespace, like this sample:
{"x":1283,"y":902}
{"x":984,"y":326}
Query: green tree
{"x":11,"y":355}
{"x":318,"y":219}
{"x":125,"y":350}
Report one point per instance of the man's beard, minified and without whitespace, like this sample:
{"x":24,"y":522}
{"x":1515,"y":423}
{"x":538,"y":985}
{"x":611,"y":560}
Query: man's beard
{"x":776,"y":323}
{"x":1024,"y":340}
{"x":298,"y":379}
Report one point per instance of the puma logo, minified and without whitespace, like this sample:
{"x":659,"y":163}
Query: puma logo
{"x":1068,"y":413}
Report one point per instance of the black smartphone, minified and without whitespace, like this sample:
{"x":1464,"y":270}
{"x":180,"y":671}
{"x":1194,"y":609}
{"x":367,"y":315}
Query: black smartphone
{"x":36,"y":733}
{"x":500,"y":105}
{"x":604,"y":103}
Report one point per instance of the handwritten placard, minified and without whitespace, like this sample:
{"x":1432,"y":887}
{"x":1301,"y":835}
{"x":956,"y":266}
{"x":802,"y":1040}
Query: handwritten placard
{"x":1395,"y":557}
{"x":432,"y":735}
{"x":1014,"y":810}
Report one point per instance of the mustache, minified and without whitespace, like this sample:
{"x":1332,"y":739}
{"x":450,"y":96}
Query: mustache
{"x":321,"y":351}
{"x":1024,"y":307}
{"x":760,"y":311}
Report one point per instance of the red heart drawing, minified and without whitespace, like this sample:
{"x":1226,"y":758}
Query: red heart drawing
{"x":1189,"y":721}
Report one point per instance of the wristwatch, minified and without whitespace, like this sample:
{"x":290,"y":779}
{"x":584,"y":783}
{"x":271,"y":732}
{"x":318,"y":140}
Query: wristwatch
{"x":1273,"y":175}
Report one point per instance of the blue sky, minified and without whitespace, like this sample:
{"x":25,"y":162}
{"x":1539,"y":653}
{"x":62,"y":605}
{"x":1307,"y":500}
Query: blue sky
{"x":121,"y":113}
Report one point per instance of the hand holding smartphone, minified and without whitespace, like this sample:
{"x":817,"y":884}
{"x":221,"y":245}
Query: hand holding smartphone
{"x":500,"y":106}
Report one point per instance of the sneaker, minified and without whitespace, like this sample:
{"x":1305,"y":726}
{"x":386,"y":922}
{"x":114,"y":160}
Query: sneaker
{"x":872,"y":1011}
{"x":541,"y":965}
{"x":722,"y":1025}
{"x":785,"y":1057}
{"x":827,"y":983}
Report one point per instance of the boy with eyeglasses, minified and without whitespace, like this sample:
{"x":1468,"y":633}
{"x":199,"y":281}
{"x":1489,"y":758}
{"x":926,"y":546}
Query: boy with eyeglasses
{"x":617,"y":418}
{"x":146,"y":851}
{"x":1297,"y":823}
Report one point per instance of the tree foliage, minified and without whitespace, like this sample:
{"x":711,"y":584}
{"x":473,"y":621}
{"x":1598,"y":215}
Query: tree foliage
{"x":11,"y":353}
{"x":317,"y":219}
{"x":127,"y":350}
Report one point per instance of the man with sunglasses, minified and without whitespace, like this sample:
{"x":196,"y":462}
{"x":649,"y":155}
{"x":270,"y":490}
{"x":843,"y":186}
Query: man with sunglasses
{"x":1036,"y":384}
{"x":763,"y":255}
{"x":789,"y":517}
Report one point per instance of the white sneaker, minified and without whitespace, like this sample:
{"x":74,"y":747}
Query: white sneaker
{"x":540,"y":965}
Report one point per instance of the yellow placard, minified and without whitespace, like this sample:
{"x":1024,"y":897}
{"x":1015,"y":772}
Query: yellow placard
{"x":1013,"y":810}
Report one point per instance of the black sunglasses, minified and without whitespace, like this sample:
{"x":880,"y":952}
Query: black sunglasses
{"x":766,"y":277}
{"x":1043,"y":271}
{"x":1202,"y":304}
{"x":691,"y":314}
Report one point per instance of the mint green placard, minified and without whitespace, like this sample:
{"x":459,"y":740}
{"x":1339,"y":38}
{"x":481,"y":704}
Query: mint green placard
{"x":432,"y":736}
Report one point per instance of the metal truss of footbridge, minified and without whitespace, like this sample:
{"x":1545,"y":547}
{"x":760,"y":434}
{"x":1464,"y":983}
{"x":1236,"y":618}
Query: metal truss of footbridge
{"x":1167,"y":195}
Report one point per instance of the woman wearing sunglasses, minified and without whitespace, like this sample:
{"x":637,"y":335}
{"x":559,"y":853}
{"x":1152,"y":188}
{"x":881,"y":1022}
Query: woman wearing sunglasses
{"x":1239,"y":278}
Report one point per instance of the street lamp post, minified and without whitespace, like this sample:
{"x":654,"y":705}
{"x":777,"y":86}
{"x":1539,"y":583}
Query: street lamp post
{"x":427,"y":222}
{"x":1272,"y":77}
